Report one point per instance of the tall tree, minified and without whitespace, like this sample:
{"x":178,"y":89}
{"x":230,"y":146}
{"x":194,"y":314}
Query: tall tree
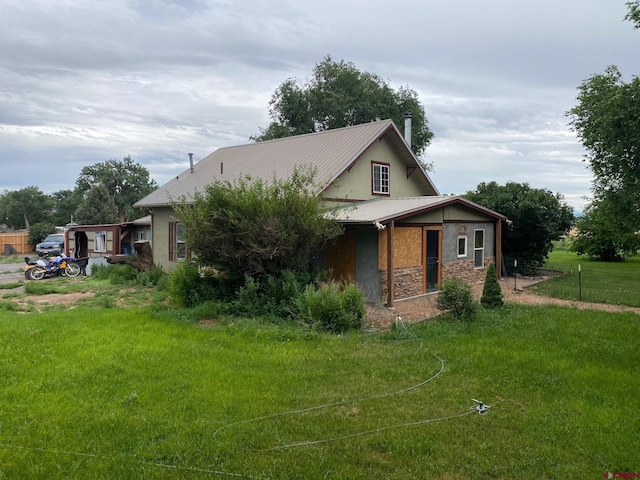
{"x":606,"y":119}
{"x":66,"y":203}
{"x":21,"y":208}
{"x":537,"y":218}
{"x":97,"y":208}
{"x":340,"y":95}
{"x":126,"y":182}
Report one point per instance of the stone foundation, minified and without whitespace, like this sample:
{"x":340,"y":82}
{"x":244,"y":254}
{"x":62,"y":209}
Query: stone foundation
{"x":407,"y":282}
{"x":465,"y":270}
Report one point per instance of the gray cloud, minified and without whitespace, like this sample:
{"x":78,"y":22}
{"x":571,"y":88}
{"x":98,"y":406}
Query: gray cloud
{"x":84,"y":82}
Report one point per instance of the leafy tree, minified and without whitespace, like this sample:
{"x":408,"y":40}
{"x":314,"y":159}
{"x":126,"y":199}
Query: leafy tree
{"x":339,"y":95}
{"x":634,"y":13}
{"x":607,"y":121}
{"x":491,"y":292}
{"x":256,"y":229}
{"x":602,"y":233}
{"x":66,"y":203}
{"x":97,"y":208}
{"x":126,"y":182}
{"x":537,"y":218}
{"x":21,"y":208}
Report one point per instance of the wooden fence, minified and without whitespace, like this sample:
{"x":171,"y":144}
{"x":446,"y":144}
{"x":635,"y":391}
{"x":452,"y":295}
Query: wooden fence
{"x":15,"y":243}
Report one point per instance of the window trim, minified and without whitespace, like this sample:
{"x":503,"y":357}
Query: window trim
{"x":465,"y":238}
{"x":381,"y":191}
{"x":478,"y":249}
{"x":103,"y":235}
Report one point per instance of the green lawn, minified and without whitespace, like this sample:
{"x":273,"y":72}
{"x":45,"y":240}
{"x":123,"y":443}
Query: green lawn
{"x":147,"y":393}
{"x":616,"y":283}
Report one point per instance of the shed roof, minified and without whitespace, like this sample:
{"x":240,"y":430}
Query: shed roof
{"x":386,"y":209}
{"x":331,"y":152}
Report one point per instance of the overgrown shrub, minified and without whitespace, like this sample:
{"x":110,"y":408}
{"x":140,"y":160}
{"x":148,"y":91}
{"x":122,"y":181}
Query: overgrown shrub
{"x":152,"y":277}
{"x":332,"y":307}
{"x":491,"y":292}
{"x":457,"y":299}
{"x":190,"y":288}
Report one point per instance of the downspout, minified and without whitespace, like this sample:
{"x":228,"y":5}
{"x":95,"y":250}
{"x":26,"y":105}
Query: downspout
{"x":390,"y":265}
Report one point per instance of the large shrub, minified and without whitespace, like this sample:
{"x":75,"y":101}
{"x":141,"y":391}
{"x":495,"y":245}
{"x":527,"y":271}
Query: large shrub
{"x":456,"y":298}
{"x":255,"y":228}
{"x":332,"y":307}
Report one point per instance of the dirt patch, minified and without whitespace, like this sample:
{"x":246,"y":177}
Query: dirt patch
{"x":207,"y":323}
{"x":52,"y":299}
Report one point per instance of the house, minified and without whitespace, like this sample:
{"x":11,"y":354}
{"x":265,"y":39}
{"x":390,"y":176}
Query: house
{"x":380,"y":193}
{"x":105,"y":240}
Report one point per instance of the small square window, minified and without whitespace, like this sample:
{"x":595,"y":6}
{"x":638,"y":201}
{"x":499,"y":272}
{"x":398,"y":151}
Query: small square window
{"x":380,"y":178}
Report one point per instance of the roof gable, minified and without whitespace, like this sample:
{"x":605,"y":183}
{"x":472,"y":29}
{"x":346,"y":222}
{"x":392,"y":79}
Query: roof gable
{"x":331,"y":152}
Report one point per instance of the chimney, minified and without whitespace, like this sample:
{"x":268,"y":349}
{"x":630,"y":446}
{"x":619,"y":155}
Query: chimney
{"x":191,"y":161}
{"x":407,"y":128}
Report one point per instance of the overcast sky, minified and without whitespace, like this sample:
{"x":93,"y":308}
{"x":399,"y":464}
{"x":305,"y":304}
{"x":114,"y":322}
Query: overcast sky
{"x":85,"y":81}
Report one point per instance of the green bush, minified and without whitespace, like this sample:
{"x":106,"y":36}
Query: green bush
{"x":39,"y":231}
{"x":190,"y":288}
{"x":331,"y":307}
{"x":119,"y":274}
{"x":457,"y":299}
{"x":151,"y":278}
{"x":491,"y":292}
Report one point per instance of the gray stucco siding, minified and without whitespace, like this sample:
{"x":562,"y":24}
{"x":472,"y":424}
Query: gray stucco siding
{"x":451,"y":232}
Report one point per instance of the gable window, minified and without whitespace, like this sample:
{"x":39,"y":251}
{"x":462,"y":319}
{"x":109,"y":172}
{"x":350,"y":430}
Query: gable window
{"x":462,"y":246}
{"x":478,"y":249}
{"x":100,"y":242}
{"x":380,"y":178}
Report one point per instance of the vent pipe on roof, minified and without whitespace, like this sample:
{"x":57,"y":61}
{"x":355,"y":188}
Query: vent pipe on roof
{"x":191,"y":161}
{"x":407,"y":128}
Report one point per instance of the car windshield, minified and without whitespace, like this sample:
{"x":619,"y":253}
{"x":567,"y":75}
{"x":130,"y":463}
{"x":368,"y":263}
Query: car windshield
{"x":54,"y":238}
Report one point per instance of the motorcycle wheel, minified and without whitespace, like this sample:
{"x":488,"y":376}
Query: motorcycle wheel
{"x":37,"y":273}
{"x":27,"y":274}
{"x":72,"y":270}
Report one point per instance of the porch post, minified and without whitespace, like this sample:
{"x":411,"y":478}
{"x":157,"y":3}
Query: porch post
{"x":498,"y":255}
{"x":390,"y":264}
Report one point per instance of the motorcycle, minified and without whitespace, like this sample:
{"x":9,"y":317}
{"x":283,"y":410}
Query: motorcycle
{"x":37,"y":269}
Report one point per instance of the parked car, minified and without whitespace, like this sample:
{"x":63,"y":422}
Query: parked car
{"x":54,"y":243}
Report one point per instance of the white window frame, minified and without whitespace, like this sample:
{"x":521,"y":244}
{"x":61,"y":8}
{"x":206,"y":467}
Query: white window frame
{"x":464,"y":245}
{"x":478,"y":250}
{"x":180,"y":246}
{"x":379,"y":184}
{"x":100,"y":242}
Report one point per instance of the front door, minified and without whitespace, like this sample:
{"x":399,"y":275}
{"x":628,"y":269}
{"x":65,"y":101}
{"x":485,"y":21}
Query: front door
{"x":433,"y":259}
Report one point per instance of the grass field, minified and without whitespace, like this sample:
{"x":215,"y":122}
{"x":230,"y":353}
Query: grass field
{"x":616,"y":283}
{"x":147,"y":393}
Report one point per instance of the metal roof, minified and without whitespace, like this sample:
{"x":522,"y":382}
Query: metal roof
{"x":331,"y":152}
{"x":386,"y":209}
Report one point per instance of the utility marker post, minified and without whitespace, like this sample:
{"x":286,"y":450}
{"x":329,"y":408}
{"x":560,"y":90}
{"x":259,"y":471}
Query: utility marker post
{"x":579,"y":283}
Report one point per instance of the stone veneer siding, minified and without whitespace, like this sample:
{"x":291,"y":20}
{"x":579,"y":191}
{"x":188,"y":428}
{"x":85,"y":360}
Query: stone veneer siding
{"x":407,"y":282}
{"x":465,"y":270}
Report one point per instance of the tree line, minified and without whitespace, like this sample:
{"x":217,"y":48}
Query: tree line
{"x":104,"y":193}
